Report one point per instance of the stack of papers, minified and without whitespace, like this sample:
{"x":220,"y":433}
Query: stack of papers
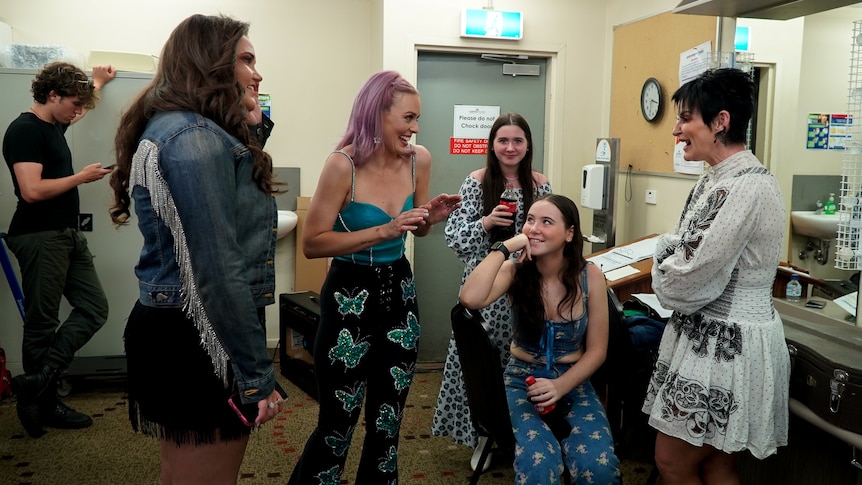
{"x":621,"y":256}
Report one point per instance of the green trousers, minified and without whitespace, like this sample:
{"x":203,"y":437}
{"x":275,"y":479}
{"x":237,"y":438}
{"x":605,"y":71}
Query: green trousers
{"x":56,"y":264}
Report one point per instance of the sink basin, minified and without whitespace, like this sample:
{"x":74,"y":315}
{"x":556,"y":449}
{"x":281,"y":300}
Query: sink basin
{"x":813,"y":224}
{"x":286,"y":223}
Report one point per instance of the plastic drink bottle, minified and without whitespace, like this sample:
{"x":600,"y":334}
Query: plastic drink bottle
{"x":530,"y":381}
{"x":794,"y":289}
{"x":508,"y":198}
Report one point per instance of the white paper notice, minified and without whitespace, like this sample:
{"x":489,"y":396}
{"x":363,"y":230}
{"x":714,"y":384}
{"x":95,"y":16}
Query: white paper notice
{"x":694,"y":62}
{"x":681,"y":165}
{"x":472,"y":121}
{"x":652,"y":300}
{"x":621,"y":273}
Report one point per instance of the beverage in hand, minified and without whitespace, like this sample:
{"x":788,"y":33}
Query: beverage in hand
{"x":542,"y":410}
{"x":508,"y":198}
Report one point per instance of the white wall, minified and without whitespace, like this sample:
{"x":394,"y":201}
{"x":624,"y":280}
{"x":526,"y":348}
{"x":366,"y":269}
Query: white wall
{"x":634,"y":217}
{"x":812,"y":64}
{"x":570,"y":33}
{"x":810,"y":60}
{"x":315,"y":55}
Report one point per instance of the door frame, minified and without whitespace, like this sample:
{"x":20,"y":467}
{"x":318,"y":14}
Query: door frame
{"x":765,"y":111}
{"x":554,"y":99}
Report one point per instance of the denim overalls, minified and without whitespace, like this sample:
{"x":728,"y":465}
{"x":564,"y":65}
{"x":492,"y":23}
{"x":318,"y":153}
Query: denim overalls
{"x":588,"y":452}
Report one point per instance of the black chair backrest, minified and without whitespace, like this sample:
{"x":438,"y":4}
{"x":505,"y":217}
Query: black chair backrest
{"x":483,"y":377}
{"x":619,"y":346}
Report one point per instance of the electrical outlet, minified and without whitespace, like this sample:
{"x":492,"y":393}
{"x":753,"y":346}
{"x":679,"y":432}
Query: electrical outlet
{"x":651,"y":196}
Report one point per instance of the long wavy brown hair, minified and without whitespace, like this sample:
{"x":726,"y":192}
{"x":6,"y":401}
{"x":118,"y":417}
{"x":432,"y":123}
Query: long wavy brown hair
{"x":526,"y":289}
{"x":196,"y":74}
{"x":494,"y":182}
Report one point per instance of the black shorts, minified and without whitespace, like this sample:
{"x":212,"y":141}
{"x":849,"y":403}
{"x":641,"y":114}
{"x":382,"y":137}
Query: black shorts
{"x":174,"y":392}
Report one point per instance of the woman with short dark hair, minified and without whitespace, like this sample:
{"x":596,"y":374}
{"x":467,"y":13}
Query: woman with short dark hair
{"x":721,"y":380}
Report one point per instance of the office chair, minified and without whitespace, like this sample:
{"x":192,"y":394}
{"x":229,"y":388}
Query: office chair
{"x":484,"y":386}
{"x":620,"y":381}
{"x":609,"y":380}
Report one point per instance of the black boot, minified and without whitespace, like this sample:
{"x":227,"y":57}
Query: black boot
{"x":56,"y":414}
{"x":35,"y":384}
{"x":30,"y":388}
{"x":28,"y":414}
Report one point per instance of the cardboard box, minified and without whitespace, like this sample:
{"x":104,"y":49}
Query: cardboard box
{"x":310,"y":273}
{"x":294,"y":348}
{"x":299,"y":316}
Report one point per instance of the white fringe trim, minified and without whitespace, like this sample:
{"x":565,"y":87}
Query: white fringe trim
{"x":145,"y":173}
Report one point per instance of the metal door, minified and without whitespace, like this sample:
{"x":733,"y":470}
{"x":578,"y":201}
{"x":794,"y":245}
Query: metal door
{"x":445,"y":80}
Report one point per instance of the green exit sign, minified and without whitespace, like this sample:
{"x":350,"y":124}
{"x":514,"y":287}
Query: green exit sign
{"x":492,"y":24}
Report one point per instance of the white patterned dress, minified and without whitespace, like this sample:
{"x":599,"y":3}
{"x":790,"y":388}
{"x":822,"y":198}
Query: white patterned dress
{"x":465,"y":235}
{"x":723,"y":368}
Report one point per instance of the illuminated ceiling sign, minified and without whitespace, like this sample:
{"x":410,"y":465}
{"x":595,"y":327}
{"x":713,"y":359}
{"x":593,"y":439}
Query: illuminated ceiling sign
{"x":492,"y":24}
{"x":742,"y":38}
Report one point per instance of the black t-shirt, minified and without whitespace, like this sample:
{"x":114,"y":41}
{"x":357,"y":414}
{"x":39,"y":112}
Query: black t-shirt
{"x":29,"y":139}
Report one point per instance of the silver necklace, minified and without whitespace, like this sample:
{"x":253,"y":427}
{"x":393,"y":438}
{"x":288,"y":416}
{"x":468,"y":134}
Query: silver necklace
{"x":38,"y":116}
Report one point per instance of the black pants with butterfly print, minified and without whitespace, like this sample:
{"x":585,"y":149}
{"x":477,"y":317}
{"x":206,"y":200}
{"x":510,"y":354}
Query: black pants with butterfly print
{"x":365,"y":349}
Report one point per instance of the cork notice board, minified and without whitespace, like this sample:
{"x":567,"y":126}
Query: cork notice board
{"x":651,"y":48}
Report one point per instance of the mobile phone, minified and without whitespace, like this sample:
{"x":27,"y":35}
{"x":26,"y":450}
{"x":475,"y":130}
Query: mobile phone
{"x":110,"y":167}
{"x":815,"y":304}
{"x":248,"y":412}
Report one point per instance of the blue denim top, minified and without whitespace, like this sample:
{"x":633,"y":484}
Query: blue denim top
{"x":559,"y":338}
{"x":357,"y":216}
{"x":208,"y":241}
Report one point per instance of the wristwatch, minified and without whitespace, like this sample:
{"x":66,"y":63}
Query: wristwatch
{"x":499,"y":246}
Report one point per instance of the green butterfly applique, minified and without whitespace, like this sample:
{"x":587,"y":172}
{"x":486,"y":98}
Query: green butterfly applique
{"x":348,"y":304}
{"x":408,"y":289}
{"x":351,"y":401}
{"x":388,"y":420}
{"x":402,"y":377}
{"x":340,"y":444}
{"x":390,"y":461}
{"x":329,"y":477}
{"x":408,"y":337}
{"x":346,"y":351}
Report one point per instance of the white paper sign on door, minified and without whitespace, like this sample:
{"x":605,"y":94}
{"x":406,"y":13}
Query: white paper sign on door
{"x":474,"y":121}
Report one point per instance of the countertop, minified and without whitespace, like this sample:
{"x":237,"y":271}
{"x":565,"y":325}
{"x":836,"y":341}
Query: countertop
{"x":820,"y":330}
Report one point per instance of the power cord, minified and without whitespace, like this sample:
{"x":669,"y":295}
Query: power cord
{"x":629,"y":184}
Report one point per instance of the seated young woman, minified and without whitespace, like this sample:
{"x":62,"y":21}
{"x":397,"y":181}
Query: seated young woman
{"x":554,"y":293}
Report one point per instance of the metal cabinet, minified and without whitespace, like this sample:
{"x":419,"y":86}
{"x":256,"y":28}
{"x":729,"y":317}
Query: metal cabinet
{"x":115,"y":250}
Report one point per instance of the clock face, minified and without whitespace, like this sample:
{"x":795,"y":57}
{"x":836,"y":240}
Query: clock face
{"x":651,"y":99}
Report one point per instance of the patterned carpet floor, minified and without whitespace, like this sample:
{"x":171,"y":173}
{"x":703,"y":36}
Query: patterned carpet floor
{"x":110,"y":453}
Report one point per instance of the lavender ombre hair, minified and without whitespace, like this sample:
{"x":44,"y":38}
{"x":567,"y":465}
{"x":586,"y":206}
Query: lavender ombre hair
{"x":366,"y":119}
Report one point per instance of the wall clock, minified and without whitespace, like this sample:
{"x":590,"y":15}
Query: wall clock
{"x":651,"y":99}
